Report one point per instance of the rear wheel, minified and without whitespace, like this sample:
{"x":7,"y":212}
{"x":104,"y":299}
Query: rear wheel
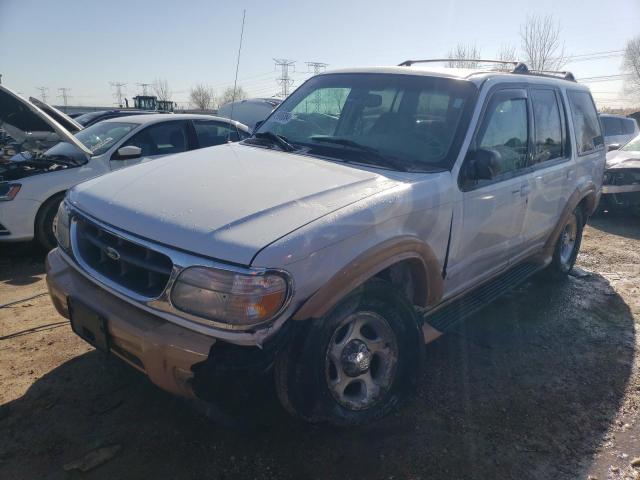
{"x":567,"y":246}
{"x":358,"y":363}
{"x":45,"y":222}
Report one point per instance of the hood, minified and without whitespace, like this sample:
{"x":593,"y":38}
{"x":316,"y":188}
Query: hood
{"x":623,"y":159}
{"x":22,"y":119}
{"x":225,"y":202}
{"x":62,"y":118}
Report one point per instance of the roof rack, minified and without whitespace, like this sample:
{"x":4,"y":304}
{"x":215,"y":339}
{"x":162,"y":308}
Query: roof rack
{"x":518,"y":67}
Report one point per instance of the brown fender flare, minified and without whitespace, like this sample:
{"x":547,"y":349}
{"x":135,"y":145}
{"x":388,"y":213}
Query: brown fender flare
{"x":588,"y":194}
{"x":425,"y":268}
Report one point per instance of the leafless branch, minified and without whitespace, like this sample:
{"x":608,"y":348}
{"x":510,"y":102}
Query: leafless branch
{"x":541,"y":44}
{"x":631,"y":66}
{"x":229,"y":96}
{"x":467,"y":55}
{"x":202,"y":97}
{"x":161,"y":89}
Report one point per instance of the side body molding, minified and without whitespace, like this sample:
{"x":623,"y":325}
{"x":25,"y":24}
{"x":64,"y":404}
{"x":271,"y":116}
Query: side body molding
{"x":425,"y":269}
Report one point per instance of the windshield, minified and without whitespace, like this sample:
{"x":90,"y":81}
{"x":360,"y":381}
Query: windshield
{"x":633,"y":145}
{"x":100,"y":137}
{"x":415,"y":121}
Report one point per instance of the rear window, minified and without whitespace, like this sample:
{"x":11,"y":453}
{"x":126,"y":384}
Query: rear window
{"x":629,"y":126}
{"x":612,"y":126}
{"x":585,"y":122}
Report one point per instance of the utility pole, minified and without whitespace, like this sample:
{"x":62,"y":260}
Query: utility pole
{"x":317,"y":68}
{"x":118,"y":93}
{"x":144,"y":86}
{"x":64,"y":94}
{"x":284,"y":81}
{"x":43,"y":93}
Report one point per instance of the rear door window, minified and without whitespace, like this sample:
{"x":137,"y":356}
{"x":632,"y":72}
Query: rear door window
{"x":161,"y":139}
{"x":211,"y":133}
{"x":548,"y":126}
{"x":585,"y":122}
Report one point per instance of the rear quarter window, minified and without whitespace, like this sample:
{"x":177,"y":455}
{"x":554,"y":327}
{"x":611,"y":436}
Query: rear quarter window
{"x":585,"y":122}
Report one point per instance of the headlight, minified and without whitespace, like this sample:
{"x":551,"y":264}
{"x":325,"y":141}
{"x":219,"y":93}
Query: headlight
{"x":61,"y":226}
{"x":8,"y":191}
{"x":230,"y":297}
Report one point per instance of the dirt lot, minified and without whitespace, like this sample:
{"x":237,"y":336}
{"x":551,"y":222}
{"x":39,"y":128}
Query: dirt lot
{"x":542,"y":384}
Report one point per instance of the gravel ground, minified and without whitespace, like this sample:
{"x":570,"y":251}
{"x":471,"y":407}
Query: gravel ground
{"x":542,"y":384}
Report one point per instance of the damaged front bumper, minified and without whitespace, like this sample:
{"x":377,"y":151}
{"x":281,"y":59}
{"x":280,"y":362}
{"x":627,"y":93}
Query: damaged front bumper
{"x":164,"y":351}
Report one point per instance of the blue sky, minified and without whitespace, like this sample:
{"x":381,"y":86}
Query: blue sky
{"x":83,"y":45}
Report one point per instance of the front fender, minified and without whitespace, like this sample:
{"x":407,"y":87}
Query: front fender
{"x":426,"y":271}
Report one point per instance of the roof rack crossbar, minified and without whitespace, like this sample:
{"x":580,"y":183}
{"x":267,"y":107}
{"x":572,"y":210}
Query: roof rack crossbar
{"x":565,"y":74}
{"x":408,"y":63}
{"x":518,"y":67}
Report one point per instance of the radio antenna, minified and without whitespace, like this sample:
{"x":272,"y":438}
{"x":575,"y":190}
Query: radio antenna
{"x":235,"y":82}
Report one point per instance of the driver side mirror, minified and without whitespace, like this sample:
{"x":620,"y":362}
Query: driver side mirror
{"x":613,"y":146}
{"x":128,"y":152}
{"x":482,"y":164}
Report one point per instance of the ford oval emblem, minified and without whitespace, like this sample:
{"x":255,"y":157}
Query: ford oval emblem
{"x":112,"y":253}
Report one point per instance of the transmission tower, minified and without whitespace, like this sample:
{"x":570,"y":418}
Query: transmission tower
{"x":118,"y":93}
{"x":43,"y":93}
{"x":317,"y":68}
{"x":64,"y":94}
{"x":145,"y":87}
{"x":284,"y":81}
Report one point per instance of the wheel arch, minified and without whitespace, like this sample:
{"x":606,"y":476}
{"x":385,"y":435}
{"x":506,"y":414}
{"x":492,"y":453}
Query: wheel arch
{"x":393,"y":260}
{"x":586,"y":199}
{"x":44,"y":204}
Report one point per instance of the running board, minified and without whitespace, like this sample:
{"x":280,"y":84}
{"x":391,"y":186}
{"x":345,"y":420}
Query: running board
{"x":446,"y":317}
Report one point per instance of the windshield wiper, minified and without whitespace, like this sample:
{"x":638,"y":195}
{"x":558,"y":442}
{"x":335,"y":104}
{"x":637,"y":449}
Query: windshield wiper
{"x":277,"y":139}
{"x":380,"y":158}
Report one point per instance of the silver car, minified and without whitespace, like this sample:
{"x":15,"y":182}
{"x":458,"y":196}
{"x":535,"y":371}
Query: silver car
{"x":303,"y":250}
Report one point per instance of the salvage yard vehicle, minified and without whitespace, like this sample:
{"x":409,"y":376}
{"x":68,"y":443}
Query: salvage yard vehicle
{"x":33,"y":183}
{"x":621,"y":184}
{"x":618,"y":129}
{"x":303,"y":250}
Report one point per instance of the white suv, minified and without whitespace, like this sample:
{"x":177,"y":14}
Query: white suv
{"x":304,"y":248}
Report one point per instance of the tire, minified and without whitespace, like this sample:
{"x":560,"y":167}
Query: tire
{"x":44,"y":225}
{"x":567,"y":246}
{"x":357,"y":364}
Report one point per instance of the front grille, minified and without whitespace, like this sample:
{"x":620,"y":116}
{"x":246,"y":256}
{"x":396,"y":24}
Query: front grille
{"x":127,"y":264}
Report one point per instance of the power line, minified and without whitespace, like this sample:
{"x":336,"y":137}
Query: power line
{"x":43,"y":93}
{"x":64,"y":94}
{"x":285,"y":81}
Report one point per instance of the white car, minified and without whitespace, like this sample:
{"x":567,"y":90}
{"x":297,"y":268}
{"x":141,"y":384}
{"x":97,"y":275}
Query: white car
{"x":32,"y":185}
{"x":618,"y":130}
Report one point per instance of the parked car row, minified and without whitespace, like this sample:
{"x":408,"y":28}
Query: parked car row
{"x":303,"y":249}
{"x":56,"y":152}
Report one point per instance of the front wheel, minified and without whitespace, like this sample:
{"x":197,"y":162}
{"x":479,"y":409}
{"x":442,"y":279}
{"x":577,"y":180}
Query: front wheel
{"x":46,"y":221}
{"x":567,"y":246}
{"x":358,"y":363}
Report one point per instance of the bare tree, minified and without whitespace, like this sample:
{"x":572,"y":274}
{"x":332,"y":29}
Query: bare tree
{"x":202,"y":97}
{"x":507,"y":53}
{"x":161,"y":89}
{"x":541,"y":44}
{"x":631,"y":66}
{"x":466,"y":56}
{"x":229,"y":95}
